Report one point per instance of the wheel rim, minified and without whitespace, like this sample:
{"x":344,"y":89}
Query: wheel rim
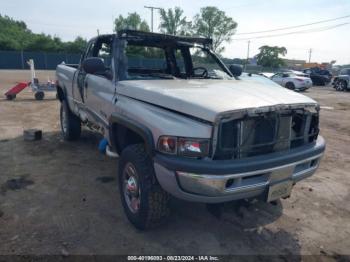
{"x":132,"y":192}
{"x":290,"y":86}
{"x":340,"y":86}
{"x":64,"y":120}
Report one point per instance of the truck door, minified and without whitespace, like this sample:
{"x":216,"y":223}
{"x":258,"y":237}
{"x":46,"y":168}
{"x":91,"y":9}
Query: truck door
{"x":99,"y":88}
{"x":79,"y":80}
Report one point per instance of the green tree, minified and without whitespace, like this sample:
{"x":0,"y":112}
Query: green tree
{"x":213,"y":23}
{"x":42,"y":42}
{"x":14,"y":35}
{"x":77,"y":46}
{"x":268,"y":56}
{"x":173,"y":22}
{"x":133,"y":21}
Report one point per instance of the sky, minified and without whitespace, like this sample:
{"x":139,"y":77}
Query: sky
{"x":70,"y":18}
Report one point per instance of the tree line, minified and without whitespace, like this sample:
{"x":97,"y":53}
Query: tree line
{"x":210,"y":22}
{"x":15,"y":35}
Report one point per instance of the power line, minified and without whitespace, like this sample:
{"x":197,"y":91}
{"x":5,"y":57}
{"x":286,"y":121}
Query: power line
{"x":314,"y":30}
{"x":296,"y":26}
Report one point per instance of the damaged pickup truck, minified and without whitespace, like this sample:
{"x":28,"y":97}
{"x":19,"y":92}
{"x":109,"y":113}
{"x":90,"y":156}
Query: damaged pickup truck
{"x":184,"y":124}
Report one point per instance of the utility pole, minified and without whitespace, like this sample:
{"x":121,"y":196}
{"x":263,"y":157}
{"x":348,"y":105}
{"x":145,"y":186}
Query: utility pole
{"x":152,"y":8}
{"x":246,"y":62}
{"x":310,"y":52}
{"x":113,"y":24}
{"x":248,"y":50}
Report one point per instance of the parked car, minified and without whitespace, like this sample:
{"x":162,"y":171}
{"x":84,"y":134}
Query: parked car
{"x":341,"y":82}
{"x":266,"y":74}
{"x":186,"y":125}
{"x":319,"y":76}
{"x":292,"y":81}
{"x":297,"y":73}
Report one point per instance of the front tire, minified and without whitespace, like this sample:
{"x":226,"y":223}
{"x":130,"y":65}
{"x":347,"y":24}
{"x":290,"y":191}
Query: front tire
{"x":144,"y":201}
{"x":70,"y":123}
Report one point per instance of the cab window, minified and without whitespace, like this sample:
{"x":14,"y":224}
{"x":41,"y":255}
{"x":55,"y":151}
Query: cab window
{"x":105,"y":52}
{"x":102,"y":48}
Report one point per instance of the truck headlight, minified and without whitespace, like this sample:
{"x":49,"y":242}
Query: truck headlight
{"x":182,"y":146}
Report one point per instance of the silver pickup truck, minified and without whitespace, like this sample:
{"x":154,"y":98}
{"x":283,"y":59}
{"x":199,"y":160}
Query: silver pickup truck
{"x":184,"y":124}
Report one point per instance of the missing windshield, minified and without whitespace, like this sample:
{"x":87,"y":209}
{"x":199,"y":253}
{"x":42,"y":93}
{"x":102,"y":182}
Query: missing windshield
{"x":169,"y":60}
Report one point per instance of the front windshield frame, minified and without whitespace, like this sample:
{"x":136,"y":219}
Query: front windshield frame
{"x":122,"y":60}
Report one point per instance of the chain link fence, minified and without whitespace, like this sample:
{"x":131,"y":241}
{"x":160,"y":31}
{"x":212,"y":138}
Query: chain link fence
{"x":42,"y":60}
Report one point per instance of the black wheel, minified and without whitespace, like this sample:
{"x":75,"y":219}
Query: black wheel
{"x":70,"y":123}
{"x":340,"y":85}
{"x":39,"y":95}
{"x":145,"y":202}
{"x":290,"y":86}
{"x":11,"y":97}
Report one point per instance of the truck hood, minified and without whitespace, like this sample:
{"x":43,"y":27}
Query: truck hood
{"x":207,"y":98}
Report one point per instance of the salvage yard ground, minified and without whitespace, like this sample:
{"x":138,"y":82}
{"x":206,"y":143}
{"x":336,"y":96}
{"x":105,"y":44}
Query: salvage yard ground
{"x":62,"y":198}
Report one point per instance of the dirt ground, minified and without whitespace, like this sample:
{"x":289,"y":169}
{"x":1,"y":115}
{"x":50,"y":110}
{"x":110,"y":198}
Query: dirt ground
{"x":62,"y":198}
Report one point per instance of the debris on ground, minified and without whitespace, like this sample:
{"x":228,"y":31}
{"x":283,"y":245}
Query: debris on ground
{"x":32,"y":134}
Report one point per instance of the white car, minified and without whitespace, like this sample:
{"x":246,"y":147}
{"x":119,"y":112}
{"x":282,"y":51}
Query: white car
{"x":297,"y":73}
{"x":292,"y":81}
{"x":266,"y":74}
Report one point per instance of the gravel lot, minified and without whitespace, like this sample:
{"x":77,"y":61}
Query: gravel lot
{"x":62,"y":198}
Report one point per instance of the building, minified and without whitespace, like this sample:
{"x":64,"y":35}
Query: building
{"x":294,"y":63}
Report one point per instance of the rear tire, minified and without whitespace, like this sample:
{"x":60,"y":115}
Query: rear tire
{"x":145,"y":202}
{"x":70,"y":123}
{"x":290,"y":86}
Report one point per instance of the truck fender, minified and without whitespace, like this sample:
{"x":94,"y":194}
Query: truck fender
{"x":61,"y":93}
{"x":141,"y":130}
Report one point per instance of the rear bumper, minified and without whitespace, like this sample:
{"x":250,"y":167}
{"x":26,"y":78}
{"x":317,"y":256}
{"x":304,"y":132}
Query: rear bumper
{"x":225,"y":180}
{"x":303,"y":86}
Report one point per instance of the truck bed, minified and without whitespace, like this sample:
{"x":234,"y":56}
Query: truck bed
{"x":65,"y":75}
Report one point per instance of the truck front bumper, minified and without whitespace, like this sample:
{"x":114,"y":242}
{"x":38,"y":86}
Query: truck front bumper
{"x":214,"y":181}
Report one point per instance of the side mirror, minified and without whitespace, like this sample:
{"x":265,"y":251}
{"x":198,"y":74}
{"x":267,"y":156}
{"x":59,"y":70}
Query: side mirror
{"x":236,"y":70}
{"x":93,"y":65}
